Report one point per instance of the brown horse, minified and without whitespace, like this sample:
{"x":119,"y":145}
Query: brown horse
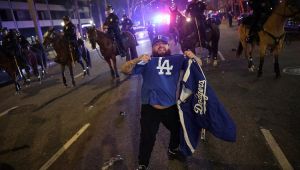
{"x":271,"y":37}
{"x":64,"y":55}
{"x":109,"y":49}
{"x":9,"y":64}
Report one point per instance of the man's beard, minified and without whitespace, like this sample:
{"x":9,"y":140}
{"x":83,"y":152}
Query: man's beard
{"x":163,"y":54}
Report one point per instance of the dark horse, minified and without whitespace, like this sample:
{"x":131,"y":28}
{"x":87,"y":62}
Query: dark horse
{"x":64,"y":55}
{"x":109,"y":49}
{"x":271,"y":37}
{"x":189,"y":35}
{"x":11,"y":66}
{"x":32,"y":57}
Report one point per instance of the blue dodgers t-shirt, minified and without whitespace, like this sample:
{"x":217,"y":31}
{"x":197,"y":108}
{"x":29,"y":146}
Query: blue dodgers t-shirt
{"x":160,"y":78}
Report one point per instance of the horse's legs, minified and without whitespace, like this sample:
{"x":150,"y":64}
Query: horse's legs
{"x":82,"y":66}
{"x":86,"y":57}
{"x":72,"y":74}
{"x":63,"y":74}
{"x":276,"y":66}
{"x":262,"y":54}
{"x":248,"y":54}
{"x":112,"y":72}
{"x":115,"y":66}
{"x":261,"y":63}
{"x":17,"y":85}
{"x":13,"y":76}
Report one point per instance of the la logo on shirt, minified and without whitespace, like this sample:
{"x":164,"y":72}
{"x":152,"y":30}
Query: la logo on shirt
{"x":165,"y":67}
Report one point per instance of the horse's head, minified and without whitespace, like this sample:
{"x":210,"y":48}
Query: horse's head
{"x":49,"y":37}
{"x":92,"y":36}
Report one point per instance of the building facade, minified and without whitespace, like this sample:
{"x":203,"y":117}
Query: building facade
{"x":15,"y":14}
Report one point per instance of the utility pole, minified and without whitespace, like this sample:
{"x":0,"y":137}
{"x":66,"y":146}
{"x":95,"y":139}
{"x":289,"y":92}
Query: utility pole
{"x":99,"y":11}
{"x":127,"y":1}
{"x":49,"y":13}
{"x":142,"y":11}
{"x":33,"y":14}
{"x":13,"y":15}
{"x":78,"y":17}
{"x":105,"y":3}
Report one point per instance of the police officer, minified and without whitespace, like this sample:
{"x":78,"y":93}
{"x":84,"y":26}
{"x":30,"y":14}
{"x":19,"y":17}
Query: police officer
{"x":112,"y":22}
{"x":150,"y":30}
{"x":12,"y":48}
{"x":69,"y":30}
{"x":127,"y":25}
{"x":261,"y":11}
{"x":174,"y":17}
{"x":196,"y":11}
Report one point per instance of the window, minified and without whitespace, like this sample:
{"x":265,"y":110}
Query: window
{"x":58,"y":14}
{"x":43,"y":15}
{"x":5,"y":15}
{"x":22,"y":15}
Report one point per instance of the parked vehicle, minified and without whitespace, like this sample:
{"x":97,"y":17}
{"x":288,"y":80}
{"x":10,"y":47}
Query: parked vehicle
{"x":4,"y":78}
{"x":141,"y":33}
{"x":291,"y":25}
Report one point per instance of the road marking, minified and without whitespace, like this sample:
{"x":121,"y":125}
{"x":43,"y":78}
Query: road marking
{"x":64,"y":148}
{"x":78,"y":75}
{"x":8,"y":110}
{"x":284,"y":163}
{"x":221,"y":56}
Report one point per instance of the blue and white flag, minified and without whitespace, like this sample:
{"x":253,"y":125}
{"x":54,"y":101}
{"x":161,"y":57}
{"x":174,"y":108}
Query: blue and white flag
{"x":200,"y":108}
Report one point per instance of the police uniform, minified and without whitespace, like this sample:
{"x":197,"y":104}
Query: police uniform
{"x":150,"y":31}
{"x":160,"y":78}
{"x":261,"y":11}
{"x":112,"y":21}
{"x":174,"y":18}
{"x":127,"y":26}
{"x":12,"y":48}
{"x":196,"y":11}
{"x":69,"y":30}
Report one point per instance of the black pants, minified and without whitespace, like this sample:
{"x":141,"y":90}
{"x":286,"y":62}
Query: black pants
{"x":150,"y":120}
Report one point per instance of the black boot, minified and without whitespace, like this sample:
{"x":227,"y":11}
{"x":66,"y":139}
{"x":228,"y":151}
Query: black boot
{"x":176,"y":154}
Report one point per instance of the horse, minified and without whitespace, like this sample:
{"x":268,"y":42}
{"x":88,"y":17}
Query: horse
{"x":189,"y":35}
{"x":64,"y":55}
{"x":271,"y":36}
{"x":11,"y":67}
{"x":108,"y":47}
{"x":32,"y":55}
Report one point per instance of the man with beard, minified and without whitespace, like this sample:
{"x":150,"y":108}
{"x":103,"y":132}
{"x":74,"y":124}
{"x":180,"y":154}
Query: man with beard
{"x":160,"y":73}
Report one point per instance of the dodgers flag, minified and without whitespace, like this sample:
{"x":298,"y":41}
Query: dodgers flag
{"x":200,"y":108}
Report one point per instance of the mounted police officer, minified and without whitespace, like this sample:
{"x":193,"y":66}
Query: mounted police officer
{"x":69,"y":30}
{"x":112,"y":22}
{"x":127,"y":25}
{"x":196,"y":11}
{"x":261,"y":11}
{"x":12,"y":47}
{"x":174,"y":18}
